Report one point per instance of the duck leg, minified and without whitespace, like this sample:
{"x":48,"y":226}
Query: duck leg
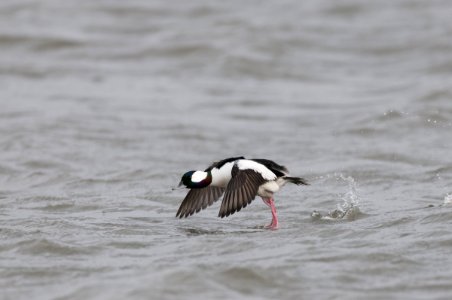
{"x":271,"y":203}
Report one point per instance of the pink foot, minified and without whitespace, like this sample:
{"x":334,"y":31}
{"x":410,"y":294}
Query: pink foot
{"x":272,"y":226}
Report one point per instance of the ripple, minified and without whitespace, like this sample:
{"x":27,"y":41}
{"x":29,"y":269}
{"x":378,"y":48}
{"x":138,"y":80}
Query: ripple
{"x":396,"y":222}
{"x":42,"y":43}
{"x":57,"y":207}
{"x":245,"y":280}
{"x":444,"y":217}
{"x":48,"y":247}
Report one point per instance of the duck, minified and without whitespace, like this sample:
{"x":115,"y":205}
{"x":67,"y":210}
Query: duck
{"x":240,"y":180}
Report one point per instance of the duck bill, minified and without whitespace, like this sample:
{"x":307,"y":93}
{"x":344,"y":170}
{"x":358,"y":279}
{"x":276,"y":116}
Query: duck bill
{"x":178,"y":186}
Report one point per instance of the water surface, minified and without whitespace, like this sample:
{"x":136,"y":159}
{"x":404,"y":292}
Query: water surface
{"x":104,"y":104}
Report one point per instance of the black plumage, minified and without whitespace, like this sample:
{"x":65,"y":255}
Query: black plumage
{"x":198,"y":199}
{"x":241,"y":190}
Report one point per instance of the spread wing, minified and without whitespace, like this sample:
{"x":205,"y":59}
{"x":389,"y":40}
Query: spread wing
{"x":198,"y":199}
{"x":241,"y":190}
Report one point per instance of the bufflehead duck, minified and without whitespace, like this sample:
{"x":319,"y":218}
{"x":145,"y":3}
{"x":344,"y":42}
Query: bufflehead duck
{"x":241,"y":180}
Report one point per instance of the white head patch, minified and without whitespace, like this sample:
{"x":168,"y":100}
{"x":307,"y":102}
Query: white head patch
{"x":198,"y":176}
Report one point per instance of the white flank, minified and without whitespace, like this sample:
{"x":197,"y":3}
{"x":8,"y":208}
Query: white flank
{"x":222,"y":176}
{"x":244,"y":164}
{"x":198,"y":176}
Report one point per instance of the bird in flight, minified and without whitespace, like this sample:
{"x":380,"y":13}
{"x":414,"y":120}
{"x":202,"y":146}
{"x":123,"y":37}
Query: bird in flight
{"x":240,"y":180}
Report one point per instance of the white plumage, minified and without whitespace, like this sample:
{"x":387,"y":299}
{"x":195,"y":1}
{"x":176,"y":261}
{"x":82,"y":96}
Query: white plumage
{"x":244,"y":164}
{"x":198,"y":176}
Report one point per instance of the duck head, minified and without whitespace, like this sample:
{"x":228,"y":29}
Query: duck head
{"x":196,"y":179}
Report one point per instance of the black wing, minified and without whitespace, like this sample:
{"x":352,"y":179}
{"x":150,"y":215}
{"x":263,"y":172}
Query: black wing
{"x":241,"y":190}
{"x":198,"y":199}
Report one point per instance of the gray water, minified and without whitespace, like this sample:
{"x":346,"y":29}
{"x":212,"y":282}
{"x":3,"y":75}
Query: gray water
{"x":105,"y":104}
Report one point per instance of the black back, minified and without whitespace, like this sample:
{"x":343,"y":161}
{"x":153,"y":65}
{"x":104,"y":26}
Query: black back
{"x":219,"y":164}
{"x":274,"y":167}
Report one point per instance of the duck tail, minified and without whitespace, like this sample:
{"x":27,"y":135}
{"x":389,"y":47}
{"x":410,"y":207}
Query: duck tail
{"x":296,"y":180}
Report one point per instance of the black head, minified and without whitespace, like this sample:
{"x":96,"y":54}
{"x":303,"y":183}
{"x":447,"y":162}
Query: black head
{"x":202,"y":179}
{"x":186,"y":179}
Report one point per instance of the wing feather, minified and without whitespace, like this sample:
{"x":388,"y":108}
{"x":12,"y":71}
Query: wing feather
{"x":198,"y":199}
{"x":241,"y":190}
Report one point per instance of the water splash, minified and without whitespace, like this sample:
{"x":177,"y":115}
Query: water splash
{"x":348,"y":208}
{"x":448,"y":199}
